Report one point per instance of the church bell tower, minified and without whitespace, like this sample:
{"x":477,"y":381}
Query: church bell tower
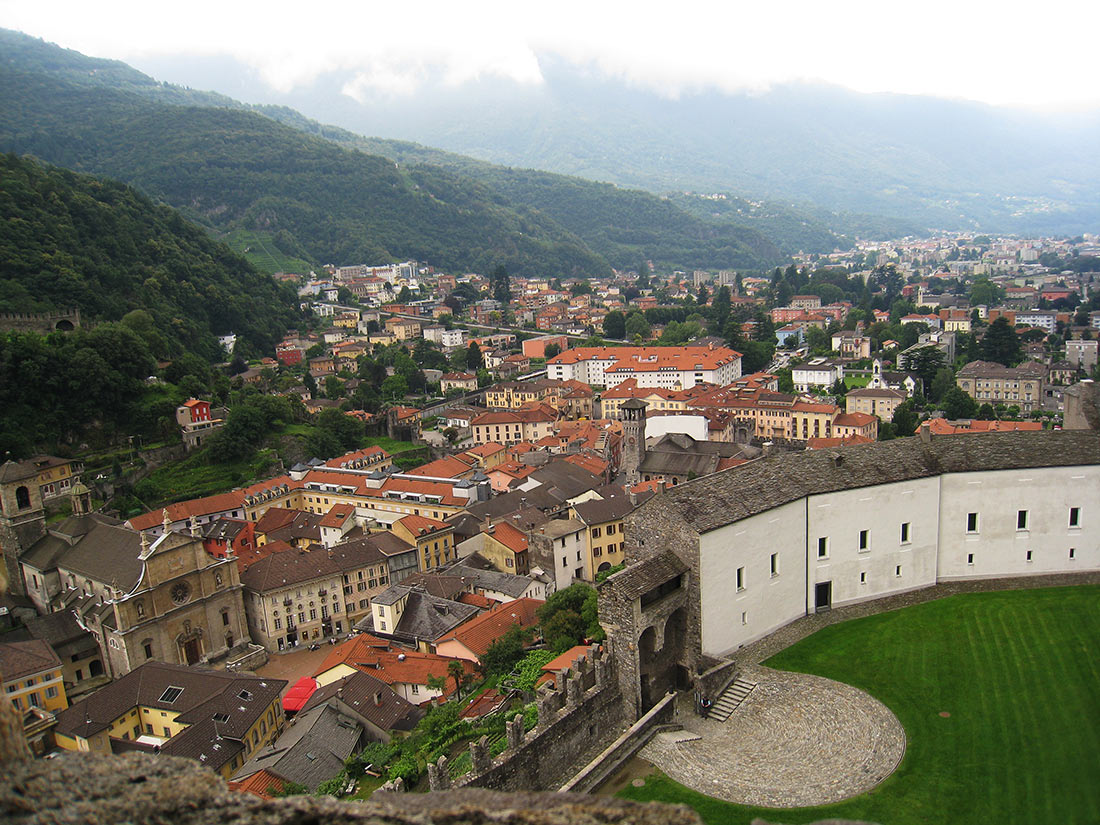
{"x":632,"y":412}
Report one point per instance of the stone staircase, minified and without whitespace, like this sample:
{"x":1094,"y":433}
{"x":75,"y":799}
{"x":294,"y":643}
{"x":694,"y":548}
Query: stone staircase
{"x":730,"y":700}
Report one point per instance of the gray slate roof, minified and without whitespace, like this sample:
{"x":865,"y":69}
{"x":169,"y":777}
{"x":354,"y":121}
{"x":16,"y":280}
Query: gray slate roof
{"x":729,"y":496}
{"x":105,"y":553}
{"x":241,"y":697}
{"x":312,"y":750}
{"x":371,"y":698}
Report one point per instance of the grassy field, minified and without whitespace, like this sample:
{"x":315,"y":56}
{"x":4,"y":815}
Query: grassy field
{"x":193,"y":477}
{"x":1017,"y":672}
{"x":390,"y":446}
{"x":262,"y":252}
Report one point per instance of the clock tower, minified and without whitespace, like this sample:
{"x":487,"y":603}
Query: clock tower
{"x":633,"y":418}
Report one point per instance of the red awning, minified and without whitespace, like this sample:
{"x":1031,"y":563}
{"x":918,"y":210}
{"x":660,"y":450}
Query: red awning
{"x":298,"y":695}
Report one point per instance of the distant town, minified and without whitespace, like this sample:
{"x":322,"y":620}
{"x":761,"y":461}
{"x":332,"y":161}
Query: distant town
{"x":468,"y":567}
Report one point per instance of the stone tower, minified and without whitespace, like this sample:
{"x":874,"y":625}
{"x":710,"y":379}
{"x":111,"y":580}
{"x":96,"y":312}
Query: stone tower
{"x":632,"y":412}
{"x":22,"y":518}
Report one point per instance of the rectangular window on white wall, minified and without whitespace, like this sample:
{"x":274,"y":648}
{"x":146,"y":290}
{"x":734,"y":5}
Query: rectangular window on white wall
{"x":905,"y":539}
{"x":972,"y":522}
{"x":775,"y":564}
{"x":863,"y":578}
{"x":740,"y":578}
{"x":1074,"y":516}
{"x":823,"y":547}
{"x":970,"y":558}
{"x":1021,"y":519}
{"x":864,"y":540}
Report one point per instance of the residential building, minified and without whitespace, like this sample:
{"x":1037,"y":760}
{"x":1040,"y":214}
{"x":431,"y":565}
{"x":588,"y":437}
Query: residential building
{"x":298,"y":596}
{"x":470,"y":640}
{"x":987,"y":381}
{"x":52,"y":476}
{"x":604,"y":539}
{"x":1082,"y":354}
{"x":817,"y":373}
{"x":512,"y":426}
{"x":666,"y":367}
{"x":433,"y":539}
{"x":217,"y":718}
{"x":464,"y":381}
{"x":406,"y":672}
{"x":880,"y":402}
{"x":30,"y":675}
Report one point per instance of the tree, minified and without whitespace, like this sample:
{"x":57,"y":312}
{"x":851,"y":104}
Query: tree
{"x":334,"y":387}
{"x":395,"y":387}
{"x":501,"y":285}
{"x":943,"y":380}
{"x":905,"y":420}
{"x":437,"y":683}
{"x":925,"y":362}
{"x":456,"y":671}
{"x":614,"y":324}
{"x":1001,"y":344}
{"x":637,"y":326}
{"x":957,"y":404}
{"x":474,"y":361}
{"x":986,"y":413}
{"x":502,"y":655}
{"x":985,"y":292}
{"x":551,"y":350}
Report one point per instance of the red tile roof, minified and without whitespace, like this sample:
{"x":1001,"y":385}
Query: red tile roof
{"x":481,"y":631}
{"x":259,"y":784}
{"x":391,"y":664}
{"x":209,"y":505}
{"x":422,"y":525}
{"x":510,"y":537}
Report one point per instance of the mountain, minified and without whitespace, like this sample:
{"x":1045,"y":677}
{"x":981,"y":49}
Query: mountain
{"x":934,"y":162}
{"x":70,"y":240}
{"x":311,"y":190}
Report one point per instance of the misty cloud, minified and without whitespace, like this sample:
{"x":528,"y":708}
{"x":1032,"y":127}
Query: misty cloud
{"x":1002,"y":53}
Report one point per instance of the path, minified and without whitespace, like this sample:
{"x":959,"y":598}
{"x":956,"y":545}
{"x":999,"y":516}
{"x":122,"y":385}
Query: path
{"x":797,"y":740}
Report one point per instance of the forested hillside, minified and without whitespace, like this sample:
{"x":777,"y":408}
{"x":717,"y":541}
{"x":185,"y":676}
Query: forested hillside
{"x":230,"y":168}
{"x":69,"y":240}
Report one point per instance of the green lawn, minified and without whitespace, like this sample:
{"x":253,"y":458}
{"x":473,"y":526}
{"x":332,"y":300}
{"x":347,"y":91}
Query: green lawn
{"x":855,"y":382}
{"x":1017,"y":671}
{"x":193,"y":477}
{"x":390,"y":445}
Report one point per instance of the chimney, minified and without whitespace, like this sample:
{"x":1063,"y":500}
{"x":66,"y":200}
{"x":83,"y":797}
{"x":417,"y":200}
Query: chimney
{"x":378,"y":699}
{"x":925,"y":432}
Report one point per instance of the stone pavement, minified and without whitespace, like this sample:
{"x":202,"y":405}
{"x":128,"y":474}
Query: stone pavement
{"x":797,"y":740}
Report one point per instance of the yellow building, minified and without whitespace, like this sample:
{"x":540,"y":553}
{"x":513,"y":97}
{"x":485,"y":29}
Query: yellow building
{"x":217,"y":718}
{"x":604,"y":540}
{"x":32,"y":681}
{"x":53,"y":476}
{"x":434,"y":539}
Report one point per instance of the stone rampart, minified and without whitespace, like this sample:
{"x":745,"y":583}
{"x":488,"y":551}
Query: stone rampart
{"x":596,"y":772}
{"x":576,"y":721}
{"x":41,"y":322}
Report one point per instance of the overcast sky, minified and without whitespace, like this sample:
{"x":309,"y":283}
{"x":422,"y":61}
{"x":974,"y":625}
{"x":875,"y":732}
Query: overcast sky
{"x":1011,"y":52}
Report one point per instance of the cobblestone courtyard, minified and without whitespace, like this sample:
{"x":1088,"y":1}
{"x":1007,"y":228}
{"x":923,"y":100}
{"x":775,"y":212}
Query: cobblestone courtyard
{"x":797,"y":740}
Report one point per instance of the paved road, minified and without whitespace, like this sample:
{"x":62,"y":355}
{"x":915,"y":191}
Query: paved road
{"x":294,"y":665}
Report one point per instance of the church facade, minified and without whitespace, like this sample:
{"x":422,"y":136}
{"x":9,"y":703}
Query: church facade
{"x":163,"y":600}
